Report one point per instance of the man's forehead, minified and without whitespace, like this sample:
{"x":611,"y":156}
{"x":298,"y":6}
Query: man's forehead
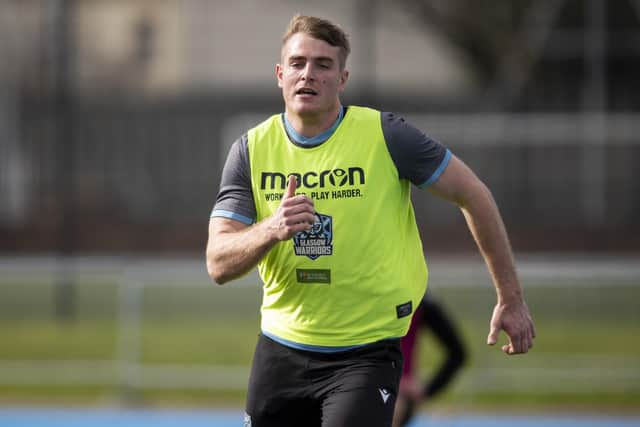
{"x":304,"y":45}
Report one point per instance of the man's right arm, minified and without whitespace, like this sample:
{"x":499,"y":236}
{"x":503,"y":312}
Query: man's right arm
{"x":234,"y":248}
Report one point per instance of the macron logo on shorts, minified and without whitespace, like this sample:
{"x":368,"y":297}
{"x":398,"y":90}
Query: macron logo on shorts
{"x":385,"y":394}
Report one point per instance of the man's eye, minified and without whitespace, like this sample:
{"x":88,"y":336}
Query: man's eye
{"x":297,"y":64}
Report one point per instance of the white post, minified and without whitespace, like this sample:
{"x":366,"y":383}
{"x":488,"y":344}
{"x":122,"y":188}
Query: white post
{"x":129,"y":338}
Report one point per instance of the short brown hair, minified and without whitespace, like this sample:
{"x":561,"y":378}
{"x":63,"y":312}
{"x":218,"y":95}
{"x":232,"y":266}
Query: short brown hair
{"x":320,"y":29}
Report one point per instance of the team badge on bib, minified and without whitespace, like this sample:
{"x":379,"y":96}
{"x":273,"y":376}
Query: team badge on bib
{"x":317,"y":241}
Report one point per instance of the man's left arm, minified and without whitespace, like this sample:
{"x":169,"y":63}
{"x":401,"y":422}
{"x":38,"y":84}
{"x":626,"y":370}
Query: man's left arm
{"x":459,"y":184}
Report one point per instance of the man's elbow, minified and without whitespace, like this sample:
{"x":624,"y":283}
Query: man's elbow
{"x":460,"y":357}
{"x":216,"y":272}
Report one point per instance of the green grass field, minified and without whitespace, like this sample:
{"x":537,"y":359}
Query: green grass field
{"x":586,"y":356}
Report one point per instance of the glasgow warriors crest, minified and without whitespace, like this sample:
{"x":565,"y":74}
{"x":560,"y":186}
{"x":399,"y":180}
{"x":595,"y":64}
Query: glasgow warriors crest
{"x":315,"y":242}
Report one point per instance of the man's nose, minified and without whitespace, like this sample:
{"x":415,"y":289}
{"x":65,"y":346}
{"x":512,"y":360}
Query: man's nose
{"x":308,"y":73}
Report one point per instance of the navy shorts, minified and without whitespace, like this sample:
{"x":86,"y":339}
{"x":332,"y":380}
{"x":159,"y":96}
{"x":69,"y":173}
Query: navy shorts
{"x":294,"y":388}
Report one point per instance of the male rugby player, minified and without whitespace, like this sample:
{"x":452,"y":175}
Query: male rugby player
{"x":430,"y":315}
{"x":318,"y":198}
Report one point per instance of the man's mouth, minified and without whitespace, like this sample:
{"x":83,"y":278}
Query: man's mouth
{"x":306,"y":91}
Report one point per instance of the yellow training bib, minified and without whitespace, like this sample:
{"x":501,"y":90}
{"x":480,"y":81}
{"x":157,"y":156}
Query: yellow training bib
{"x":358,"y":274}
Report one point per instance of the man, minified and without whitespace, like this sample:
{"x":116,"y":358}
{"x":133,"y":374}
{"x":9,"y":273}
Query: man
{"x":318,"y":198}
{"x":432,"y":316}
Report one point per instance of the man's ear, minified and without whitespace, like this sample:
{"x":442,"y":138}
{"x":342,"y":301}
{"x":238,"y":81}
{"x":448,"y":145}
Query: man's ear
{"x":279,"y":74}
{"x":342,"y":80}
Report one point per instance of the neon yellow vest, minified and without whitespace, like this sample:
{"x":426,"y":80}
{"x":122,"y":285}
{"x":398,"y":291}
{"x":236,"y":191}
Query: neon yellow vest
{"x":350,"y":280}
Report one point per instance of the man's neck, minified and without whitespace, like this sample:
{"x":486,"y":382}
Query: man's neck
{"x":317,"y":139}
{"x":310,"y":125}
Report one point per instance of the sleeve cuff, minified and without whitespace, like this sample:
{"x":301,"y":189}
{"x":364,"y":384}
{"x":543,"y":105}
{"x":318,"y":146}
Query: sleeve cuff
{"x":434,"y":177}
{"x":221,"y":213}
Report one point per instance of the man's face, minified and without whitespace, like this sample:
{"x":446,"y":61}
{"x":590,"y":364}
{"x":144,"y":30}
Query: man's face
{"x":310,"y":75}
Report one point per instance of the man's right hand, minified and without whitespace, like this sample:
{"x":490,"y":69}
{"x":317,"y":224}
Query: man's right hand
{"x":295,"y":214}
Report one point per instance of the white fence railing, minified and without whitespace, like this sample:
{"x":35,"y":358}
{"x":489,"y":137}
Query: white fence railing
{"x":129,"y":372}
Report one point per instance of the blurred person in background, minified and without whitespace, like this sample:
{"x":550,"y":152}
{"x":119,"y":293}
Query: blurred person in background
{"x":318,"y":198}
{"x":429,"y":316}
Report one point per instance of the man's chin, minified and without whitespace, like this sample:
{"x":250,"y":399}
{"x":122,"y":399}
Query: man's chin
{"x":305,"y":110}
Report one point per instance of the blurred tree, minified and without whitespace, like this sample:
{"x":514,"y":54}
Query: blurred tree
{"x":482,"y":33}
{"x":507,"y":40}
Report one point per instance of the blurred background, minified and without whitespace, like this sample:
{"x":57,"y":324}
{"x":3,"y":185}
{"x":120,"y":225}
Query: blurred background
{"x":115,"y":120}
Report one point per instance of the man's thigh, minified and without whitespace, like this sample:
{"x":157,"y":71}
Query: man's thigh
{"x":365,"y":407}
{"x":277,"y":389}
{"x":364,"y":394}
